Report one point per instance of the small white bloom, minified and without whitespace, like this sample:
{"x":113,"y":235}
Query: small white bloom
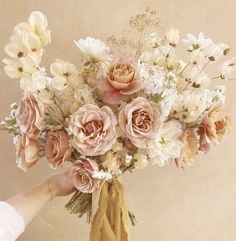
{"x":101,"y":175}
{"x":128,"y":159}
{"x":167,"y":145}
{"x":214,"y":52}
{"x":228,"y":68}
{"x":199,"y":42}
{"x":197,"y":57}
{"x":225,"y":48}
{"x":171,"y":80}
{"x":94,"y":48}
{"x":154,"y":40}
{"x":172,"y":37}
{"x":168,"y":99}
{"x":189,"y":106}
{"x":64,"y":73}
{"x":201,"y":80}
{"x":38,"y":81}
{"x":141,"y":159}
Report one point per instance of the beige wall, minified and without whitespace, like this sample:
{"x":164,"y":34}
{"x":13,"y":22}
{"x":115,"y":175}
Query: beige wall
{"x":198,"y":204}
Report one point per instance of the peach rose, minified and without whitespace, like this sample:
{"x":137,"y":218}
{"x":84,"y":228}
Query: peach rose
{"x":27,"y":151}
{"x":81,"y":175}
{"x":57,"y":148}
{"x":213,"y":127}
{"x":190,"y":147}
{"x":140,"y":121}
{"x":121,"y":79}
{"x":30,"y":115}
{"x":93,"y":129}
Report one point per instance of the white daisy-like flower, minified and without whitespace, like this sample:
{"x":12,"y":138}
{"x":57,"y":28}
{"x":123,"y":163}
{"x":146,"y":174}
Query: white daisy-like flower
{"x":167,"y":145}
{"x":172,"y":37}
{"x":189,"y":106}
{"x":37,"y":82}
{"x":154,"y":40}
{"x":228,"y":69}
{"x":214,"y":52}
{"x":199,"y":42}
{"x":94,"y":48}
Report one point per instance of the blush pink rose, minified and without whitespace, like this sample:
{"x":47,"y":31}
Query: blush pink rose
{"x":57,"y":148}
{"x":214,"y":126}
{"x":93,"y":129}
{"x":121,"y":79}
{"x":30,"y":115}
{"x":81,"y":175}
{"x":27,"y":151}
{"x":140,"y":121}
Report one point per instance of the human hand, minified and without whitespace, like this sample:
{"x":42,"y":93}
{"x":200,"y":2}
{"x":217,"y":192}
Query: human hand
{"x":61,"y":184}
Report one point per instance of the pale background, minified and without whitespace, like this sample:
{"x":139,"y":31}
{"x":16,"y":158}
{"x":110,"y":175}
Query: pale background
{"x":198,"y":204}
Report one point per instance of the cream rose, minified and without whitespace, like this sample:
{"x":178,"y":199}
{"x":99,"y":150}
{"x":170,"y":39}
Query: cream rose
{"x":93,"y":130}
{"x":121,"y":79}
{"x":189,"y":149}
{"x":140,"y":121}
{"x":57,"y":148}
{"x":213,"y":127}
{"x":30,"y":115}
{"x":81,"y":175}
{"x":27,"y":151}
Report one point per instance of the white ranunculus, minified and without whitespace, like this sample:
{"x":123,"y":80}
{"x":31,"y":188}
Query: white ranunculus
{"x":172,"y":37}
{"x":94,"y":48}
{"x":167,"y":145}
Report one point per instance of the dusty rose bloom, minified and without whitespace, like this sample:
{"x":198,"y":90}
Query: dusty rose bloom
{"x":140,"y":121}
{"x":121,"y":79}
{"x":30,"y":115}
{"x":93,"y":129}
{"x":27,"y":151}
{"x":57,"y":148}
{"x":81,"y":175}
{"x":213,"y":127}
{"x":190,"y":147}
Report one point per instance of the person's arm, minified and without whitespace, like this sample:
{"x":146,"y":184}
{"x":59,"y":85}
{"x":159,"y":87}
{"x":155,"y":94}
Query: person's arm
{"x":28,"y":204}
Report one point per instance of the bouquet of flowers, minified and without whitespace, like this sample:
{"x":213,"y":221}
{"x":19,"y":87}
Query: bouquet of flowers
{"x":116,"y":111}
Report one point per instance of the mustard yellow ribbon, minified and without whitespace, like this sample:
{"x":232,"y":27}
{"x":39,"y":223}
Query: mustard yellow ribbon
{"x":110,"y":215}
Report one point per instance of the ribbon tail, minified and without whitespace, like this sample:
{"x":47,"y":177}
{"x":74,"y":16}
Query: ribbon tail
{"x":110,"y":215}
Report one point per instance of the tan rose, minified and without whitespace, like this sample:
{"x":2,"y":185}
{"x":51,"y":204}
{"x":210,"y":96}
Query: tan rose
{"x":57,"y":148}
{"x":93,"y":129}
{"x":81,"y":175}
{"x":30,"y":115}
{"x":189,"y":149}
{"x":121,"y":79}
{"x":213,"y":127}
{"x":27,"y":151}
{"x":140,"y":121}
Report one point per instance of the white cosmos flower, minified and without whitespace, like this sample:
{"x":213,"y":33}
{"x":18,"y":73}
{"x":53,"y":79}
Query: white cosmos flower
{"x":214,"y":52}
{"x":64,"y":73}
{"x":94,"y":48}
{"x":167,"y":145}
{"x":168,"y":99}
{"x":225,"y":48}
{"x":172,"y":37}
{"x":189,"y":106}
{"x":199,"y":42}
{"x":37,"y":82}
{"x":228,"y":69}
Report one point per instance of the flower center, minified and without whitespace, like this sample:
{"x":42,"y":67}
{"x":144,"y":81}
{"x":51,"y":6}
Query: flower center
{"x":92,"y":128}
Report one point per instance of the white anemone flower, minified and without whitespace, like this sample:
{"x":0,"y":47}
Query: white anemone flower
{"x":167,"y":145}
{"x":94,"y":48}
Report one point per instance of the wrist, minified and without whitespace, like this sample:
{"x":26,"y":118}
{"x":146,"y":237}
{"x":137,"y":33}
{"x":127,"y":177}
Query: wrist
{"x":53,"y":188}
